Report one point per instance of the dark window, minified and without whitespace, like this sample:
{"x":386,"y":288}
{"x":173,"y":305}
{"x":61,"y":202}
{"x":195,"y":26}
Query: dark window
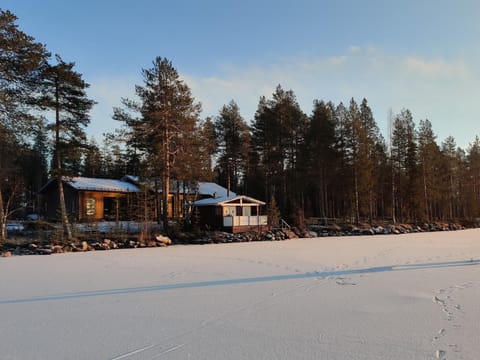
{"x":239,"y":211}
{"x":109,"y":208}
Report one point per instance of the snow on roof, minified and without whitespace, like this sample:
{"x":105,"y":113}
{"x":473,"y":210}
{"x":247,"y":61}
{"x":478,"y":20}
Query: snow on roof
{"x":226,"y":199}
{"x":93,"y":184}
{"x":131,"y":178}
{"x":212,"y":189}
{"x":204,"y":188}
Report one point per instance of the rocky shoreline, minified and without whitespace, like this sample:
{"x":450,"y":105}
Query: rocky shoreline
{"x":216,"y":237}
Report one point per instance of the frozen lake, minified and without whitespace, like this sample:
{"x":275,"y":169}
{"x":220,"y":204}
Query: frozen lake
{"x":375,"y":297}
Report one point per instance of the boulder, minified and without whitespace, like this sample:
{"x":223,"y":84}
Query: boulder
{"x":85,"y":246}
{"x":6,"y":254}
{"x":44,"y":251}
{"x":163,"y":240}
{"x":57,"y":249}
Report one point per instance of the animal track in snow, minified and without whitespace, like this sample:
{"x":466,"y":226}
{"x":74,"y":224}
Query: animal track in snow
{"x":446,"y":299}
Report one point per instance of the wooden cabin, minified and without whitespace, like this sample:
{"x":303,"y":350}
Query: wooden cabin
{"x":89,"y":198}
{"x":93,"y":199}
{"x":234,"y":213}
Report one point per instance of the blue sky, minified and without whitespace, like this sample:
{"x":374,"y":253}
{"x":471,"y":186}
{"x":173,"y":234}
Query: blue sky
{"x":420,"y":55}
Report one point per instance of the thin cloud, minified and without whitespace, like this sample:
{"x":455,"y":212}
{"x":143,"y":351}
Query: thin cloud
{"x":436,"y":68}
{"x":438,"y":89}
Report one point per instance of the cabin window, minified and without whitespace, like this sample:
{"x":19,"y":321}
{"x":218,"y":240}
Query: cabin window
{"x":253,"y":211}
{"x":90,"y":206}
{"x":239,"y":211}
{"x":110,"y":208}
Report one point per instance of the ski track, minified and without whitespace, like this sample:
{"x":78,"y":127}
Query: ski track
{"x":144,"y":352}
{"x":166,"y":343}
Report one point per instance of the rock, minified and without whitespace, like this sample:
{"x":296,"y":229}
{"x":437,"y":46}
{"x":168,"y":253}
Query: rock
{"x":57,"y":249}
{"x":6,"y":254}
{"x":163,"y":240}
{"x":367,"y":232}
{"x":44,"y":251}
{"x":151,"y":243}
{"x":85,"y":246}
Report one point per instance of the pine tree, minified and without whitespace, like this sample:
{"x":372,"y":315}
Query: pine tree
{"x":318,"y":160}
{"x":473,"y":163}
{"x":404,"y":159}
{"x":34,"y":165}
{"x":451,"y":186}
{"x":342,"y":188}
{"x":428,"y":153}
{"x":208,"y":145}
{"x":162,"y":120}
{"x":92,"y":161}
{"x":277,"y":137}
{"x":64,"y":93}
{"x":370,"y":155}
{"x":233,"y":140}
{"x":21,"y":62}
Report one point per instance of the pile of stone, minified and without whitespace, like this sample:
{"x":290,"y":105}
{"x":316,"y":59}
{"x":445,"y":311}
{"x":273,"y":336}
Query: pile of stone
{"x":386,"y":229}
{"x":83,"y":246}
{"x":220,"y":237}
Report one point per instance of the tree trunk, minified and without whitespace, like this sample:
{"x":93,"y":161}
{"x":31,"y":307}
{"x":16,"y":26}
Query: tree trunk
{"x":166,"y":176}
{"x":394,"y":202}
{"x":357,"y":207}
{"x":3,"y":222}
{"x":67,"y":231}
{"x":425,"y":193}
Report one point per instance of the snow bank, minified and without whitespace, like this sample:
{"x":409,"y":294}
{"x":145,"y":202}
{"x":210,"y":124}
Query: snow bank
{"x":384,"y":297}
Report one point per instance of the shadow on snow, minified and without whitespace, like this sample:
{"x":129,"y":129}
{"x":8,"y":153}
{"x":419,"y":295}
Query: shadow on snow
{"x":249,"y":280}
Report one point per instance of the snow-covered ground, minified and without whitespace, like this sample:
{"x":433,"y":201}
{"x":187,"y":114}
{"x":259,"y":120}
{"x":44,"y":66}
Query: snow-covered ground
{"x":379,"y":297}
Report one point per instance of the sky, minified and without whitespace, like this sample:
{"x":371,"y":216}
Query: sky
{"x":422,"y":55}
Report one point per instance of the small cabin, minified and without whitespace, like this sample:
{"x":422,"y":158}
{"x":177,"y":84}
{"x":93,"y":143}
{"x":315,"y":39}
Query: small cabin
{"x":89,"y":198}
{"x":234,"y":213}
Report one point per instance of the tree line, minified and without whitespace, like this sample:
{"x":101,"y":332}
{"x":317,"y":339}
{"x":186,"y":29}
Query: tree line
{"x":331,"y":163}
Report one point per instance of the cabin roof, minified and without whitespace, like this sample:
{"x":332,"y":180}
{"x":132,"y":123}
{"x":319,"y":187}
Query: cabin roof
{"x":213,"y":189}
{"x":95,"y":184}
{"x":210,"y":189}
{"x":232,"y":199}
{"x":132,"y":184}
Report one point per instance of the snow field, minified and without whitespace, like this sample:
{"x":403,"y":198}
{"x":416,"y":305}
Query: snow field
{"x":376,"y":297}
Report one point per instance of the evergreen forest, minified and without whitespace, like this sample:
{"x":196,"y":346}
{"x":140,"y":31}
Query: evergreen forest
{"x":330,"y":161}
